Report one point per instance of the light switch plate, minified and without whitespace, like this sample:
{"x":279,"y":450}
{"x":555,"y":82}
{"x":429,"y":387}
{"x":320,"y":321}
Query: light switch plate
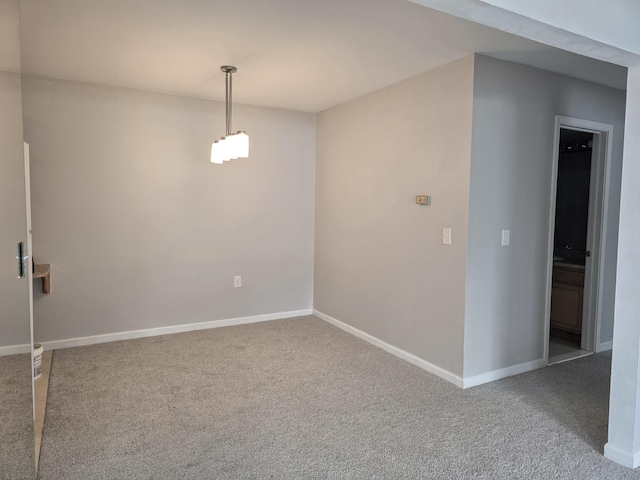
{"x":446,"y":236}
{"x":506,"y":237}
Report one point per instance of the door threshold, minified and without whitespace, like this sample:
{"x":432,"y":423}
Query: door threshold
{"x":565,"y":357}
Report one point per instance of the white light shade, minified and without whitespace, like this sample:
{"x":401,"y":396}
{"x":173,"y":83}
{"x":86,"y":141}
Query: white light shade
{"x":215,"y":153}
{"x":242,"y":145}
{"x":232,"y":143}
{"x":224,"y":149}
{"x":230,"y":147}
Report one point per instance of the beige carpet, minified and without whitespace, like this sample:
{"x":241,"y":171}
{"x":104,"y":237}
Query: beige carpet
{"x":17,"y":460}
{"x":298,"y":398}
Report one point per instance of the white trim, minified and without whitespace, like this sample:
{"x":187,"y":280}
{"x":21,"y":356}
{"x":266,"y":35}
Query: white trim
{"x":604,"y":346}
{"x":494,"y":375}
{"x":154,"y":332}
{"x":14,"y":349}
{"x":395,"y":351}
{"x":595,"y":271}
{"x":626,"y":459}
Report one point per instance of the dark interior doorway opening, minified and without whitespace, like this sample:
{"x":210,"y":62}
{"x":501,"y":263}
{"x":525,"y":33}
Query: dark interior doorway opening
{"x":570,"y":251}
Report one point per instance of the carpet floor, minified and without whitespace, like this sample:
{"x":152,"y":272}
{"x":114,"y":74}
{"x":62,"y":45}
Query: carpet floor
{"x":17,"y":456}
{"x":298,"y":398}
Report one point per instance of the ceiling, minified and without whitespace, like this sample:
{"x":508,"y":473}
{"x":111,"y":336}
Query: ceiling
{"x":9,"y":43}
{"x":304,"y":55}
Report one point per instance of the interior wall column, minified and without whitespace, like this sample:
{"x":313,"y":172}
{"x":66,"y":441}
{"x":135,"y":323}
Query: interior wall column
{"x":624,"y":408}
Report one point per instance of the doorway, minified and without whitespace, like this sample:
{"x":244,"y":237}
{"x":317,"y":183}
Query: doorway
{"x":577,"y":222}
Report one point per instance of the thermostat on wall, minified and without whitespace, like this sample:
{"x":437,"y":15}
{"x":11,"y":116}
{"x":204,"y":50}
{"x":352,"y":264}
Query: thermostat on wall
{"x":423,"y":199}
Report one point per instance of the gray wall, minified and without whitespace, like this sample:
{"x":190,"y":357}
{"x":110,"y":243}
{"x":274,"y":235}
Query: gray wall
{"x":624,"y":421}
{"x":143,"y":231}
{"x":514,"y":110}
{"x":380,"y":265}
{"x":14,"y":313}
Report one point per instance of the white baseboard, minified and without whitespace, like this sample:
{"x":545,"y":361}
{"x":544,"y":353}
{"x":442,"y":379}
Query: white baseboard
{"x":626,"y":459}
{"x":14,"y":349}
{"x":154,"y":332}
{"x":431,"y":368}
{"x":406,"y":356}
{"x":476,"y":380}
{"x":604,"y":346}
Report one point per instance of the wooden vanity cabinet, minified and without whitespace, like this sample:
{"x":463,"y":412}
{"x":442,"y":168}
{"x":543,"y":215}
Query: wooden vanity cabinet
{"x":566,"y":298}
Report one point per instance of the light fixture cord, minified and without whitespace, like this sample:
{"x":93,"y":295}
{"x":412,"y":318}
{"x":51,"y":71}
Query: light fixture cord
{"x":228,"y":82}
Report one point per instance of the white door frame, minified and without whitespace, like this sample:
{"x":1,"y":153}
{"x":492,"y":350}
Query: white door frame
{"x":596,"y":229}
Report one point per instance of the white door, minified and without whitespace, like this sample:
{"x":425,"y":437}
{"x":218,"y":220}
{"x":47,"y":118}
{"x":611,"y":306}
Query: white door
{"x":27,"y":192}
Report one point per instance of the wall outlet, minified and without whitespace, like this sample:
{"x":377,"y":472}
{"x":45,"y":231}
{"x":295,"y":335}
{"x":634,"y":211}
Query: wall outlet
{"x":237,"y":281}
{"x":506,"y":237}
{"x":446,"y":236}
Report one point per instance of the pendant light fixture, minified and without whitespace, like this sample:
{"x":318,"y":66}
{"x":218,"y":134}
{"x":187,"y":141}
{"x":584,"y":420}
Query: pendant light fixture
{"x":232,"y":145}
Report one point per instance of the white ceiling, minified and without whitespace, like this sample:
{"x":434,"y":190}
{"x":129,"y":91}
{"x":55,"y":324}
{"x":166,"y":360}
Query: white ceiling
{"x":297,"y":54}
